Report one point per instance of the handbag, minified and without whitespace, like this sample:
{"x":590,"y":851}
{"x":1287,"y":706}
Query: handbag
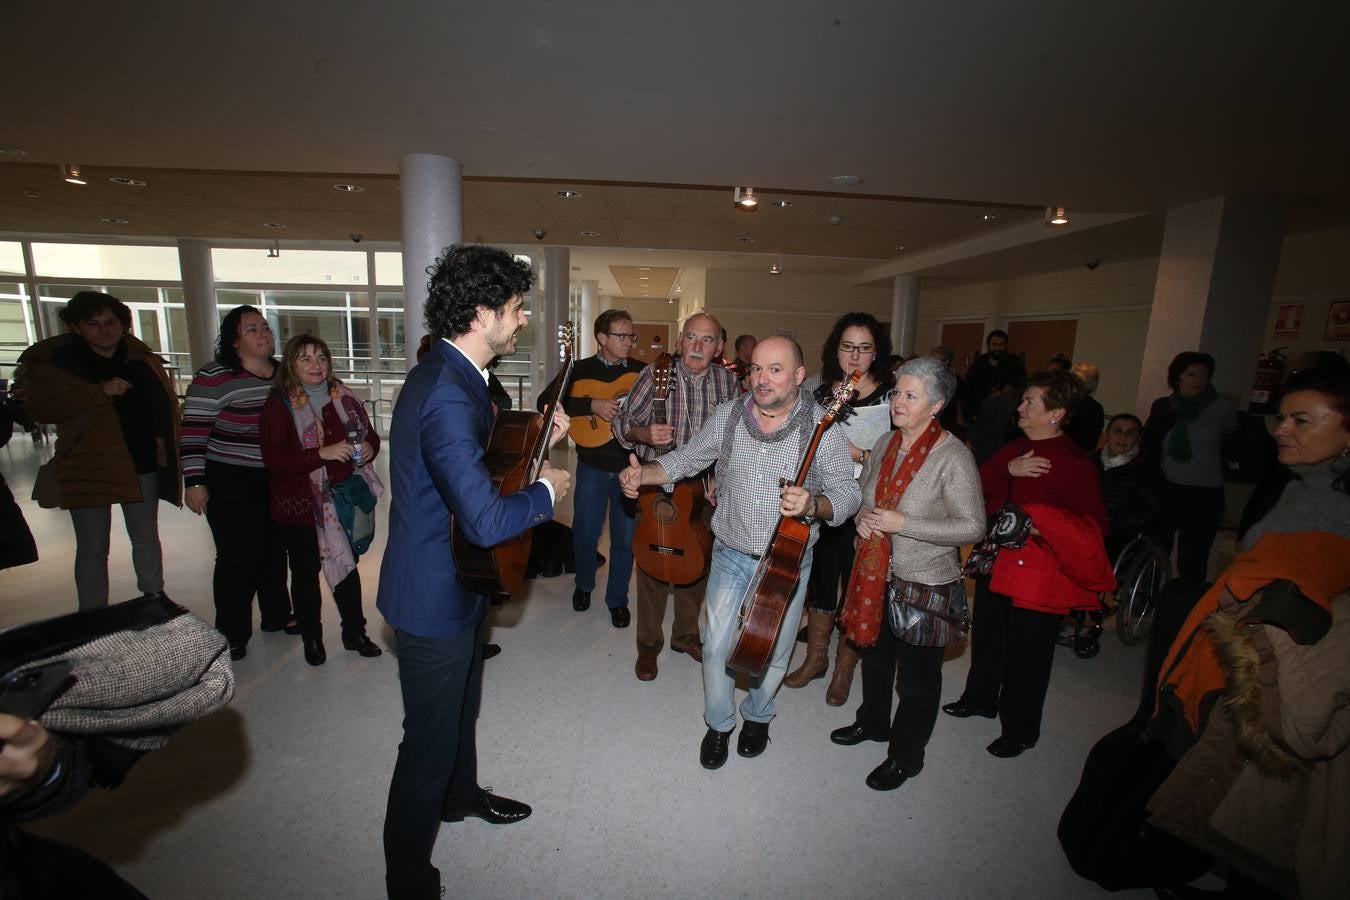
{"x":927,"y":615}
{"x":1010,"y":526}
{"x":355,"y":507}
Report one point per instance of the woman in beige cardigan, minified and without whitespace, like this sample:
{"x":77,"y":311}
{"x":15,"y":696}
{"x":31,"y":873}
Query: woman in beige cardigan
{"x":921,"y":501}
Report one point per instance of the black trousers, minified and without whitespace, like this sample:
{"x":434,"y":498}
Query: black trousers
{"x":1193,"y":516}
{"x":1012,"y":651}
{"x":437,"y":769}
{"x":250,"y":558}
{"x":832,"y":564}
{"x":302,"y":548}
{"x":915,"y":673}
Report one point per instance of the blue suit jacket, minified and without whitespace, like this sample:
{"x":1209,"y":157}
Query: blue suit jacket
{"x":440,"y":427}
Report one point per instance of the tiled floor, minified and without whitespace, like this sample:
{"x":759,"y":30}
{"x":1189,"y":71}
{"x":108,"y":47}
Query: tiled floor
{"x":282,"y":794}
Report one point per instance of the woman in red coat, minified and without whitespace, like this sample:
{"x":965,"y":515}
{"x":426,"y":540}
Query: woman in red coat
{"x":1061,"y":568}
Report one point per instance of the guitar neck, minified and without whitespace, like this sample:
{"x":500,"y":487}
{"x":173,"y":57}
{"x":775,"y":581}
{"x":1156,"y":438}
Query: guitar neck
{"x":546,"y":433}
{"x":659,"y":416}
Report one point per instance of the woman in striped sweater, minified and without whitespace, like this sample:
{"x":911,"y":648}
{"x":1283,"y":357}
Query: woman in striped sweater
{"x":225,"y":479}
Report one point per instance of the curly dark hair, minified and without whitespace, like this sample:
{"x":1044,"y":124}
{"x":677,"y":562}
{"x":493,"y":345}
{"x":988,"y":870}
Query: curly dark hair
{"x":87,"y":304}
{"x":226,"y":353}
{"x":1061,"y":390}
{"x":880,"y":369}
{"x":469,"y":276}
{"x":1183,"y":361}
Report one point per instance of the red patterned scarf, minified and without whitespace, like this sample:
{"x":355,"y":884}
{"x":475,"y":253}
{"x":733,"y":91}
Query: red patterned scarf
{"x":865,"y":599}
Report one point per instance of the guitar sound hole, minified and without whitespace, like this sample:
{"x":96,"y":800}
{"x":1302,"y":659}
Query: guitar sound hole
{"x":664,"y":511}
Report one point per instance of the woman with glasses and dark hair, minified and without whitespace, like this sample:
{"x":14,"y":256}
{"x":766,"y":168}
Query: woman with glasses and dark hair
{"x":116,"y":420}
{"x":1183,"y":435}
{"x":857,"y":343}
{"x":225,"y":479}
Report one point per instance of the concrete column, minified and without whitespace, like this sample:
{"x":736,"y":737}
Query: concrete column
{"x":199,"y":301}
{"x":433,"y":218}
{"x":1216,"y":274}
{"x":555,"y":274}
{"x":590,"y":296}
{"x":904,"y":313}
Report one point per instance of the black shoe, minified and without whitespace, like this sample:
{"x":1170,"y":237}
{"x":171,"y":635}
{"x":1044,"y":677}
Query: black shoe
{"x":888,"y":776}
{"x":315,"y":655}
{"x":1006,"y":749}
{"x":238,"y":651}
{"x":491,"y":809}
{"x":851,"y":735}
{"x":712,"y":753}
{"x":361,"y":644}
{"x":491,"y":650}
{"x":754,"y":738}
{"x":963,"y":710}
{"x":619,"y":616}
{"x":581,"y":600}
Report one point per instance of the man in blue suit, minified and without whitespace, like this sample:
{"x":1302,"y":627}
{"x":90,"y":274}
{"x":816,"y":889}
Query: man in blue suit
{"x":440,"y":429}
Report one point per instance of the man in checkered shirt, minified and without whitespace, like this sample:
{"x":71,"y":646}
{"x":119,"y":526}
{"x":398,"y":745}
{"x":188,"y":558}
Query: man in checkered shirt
{"x":755,"y":441}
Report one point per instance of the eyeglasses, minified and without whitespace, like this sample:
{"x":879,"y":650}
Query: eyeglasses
{"x":622,"y":335}
{"x":860,"y":349}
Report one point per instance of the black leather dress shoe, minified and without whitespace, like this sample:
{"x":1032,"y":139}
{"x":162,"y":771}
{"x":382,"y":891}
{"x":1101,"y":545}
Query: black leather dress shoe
{"x":1006,"y":749}
{"x":361,"y":644}
{"x":851,"y":735}
{"x":238,"y":651}
{"x":963,"y":710}
{"x":712,"y":753}
{"x":619,"y":616}
{"x":754,"y":738}
{"x":492,"y":809}
{"x":888,"y":776}
{"x":581,"y":600}
{"x":315,"y":655}
{"x":491,"y":650}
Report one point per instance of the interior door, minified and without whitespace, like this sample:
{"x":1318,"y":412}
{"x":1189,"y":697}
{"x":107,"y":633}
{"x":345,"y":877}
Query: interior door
{"x":653,"y":339}
{"x":1040,"y":341}
{"x":967,"y":340}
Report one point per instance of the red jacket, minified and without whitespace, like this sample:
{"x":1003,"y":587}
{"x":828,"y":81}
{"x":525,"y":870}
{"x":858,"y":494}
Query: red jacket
{"x":289,"y":464}
{"x":1063,"y":568}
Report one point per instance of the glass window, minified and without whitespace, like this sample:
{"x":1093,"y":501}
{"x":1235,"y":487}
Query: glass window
{"x":391,"y":350}
{"x":388,"y":268}
{"x":291,"y":267}
{"x":389,"y":300}
{"x":331,"y":326}
{"x":228,"y":300}
{"x":310,"y":298}
{"x":16,"y":331}
{"x":106,"y":261}
{"x":11,"y":257}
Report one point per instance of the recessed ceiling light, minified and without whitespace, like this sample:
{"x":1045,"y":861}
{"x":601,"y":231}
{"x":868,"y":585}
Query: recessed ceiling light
{"x":644,"y":268}
{"x":744,"y":199}
{"x":988,"y":217}
{"x":568,"y":195}
{"x":71,"y":174}
{"x":274,"y":225}
{"x":6,"y":150}
{"x":845,"y":180}
{"x":781,"y":204}
{"x":127,"y":182}
{"x":746,"y":239}
{"x":644,"y":278}
{"x":899,"y":248}
{"x":590,"y":234}
{"x":113,"y":220}
{"x":348,"y":188}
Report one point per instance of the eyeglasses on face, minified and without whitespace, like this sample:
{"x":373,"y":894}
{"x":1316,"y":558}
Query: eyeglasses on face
{"x":860,"y":349}
{"x":622,"y":335}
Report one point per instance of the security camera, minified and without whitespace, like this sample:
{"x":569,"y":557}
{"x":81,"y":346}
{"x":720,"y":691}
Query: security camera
{"x":356,"y":238}
{"x":539,"y":234}
{"x":1092,"y":262}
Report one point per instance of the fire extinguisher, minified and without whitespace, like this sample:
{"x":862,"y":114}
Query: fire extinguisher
{"x":1269,"y":376}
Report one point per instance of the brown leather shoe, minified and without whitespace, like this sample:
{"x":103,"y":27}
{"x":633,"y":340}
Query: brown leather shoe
{"x":688,"y":645}
{"x":645,"y":667}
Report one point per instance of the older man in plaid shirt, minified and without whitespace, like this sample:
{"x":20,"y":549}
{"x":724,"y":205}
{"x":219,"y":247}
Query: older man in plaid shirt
{"x":755,"y":441}
{"x":697,"y":387}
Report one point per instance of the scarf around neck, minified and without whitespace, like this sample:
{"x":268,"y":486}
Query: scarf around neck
{"x":1188,"y":409}
{"x":1110,"y":462}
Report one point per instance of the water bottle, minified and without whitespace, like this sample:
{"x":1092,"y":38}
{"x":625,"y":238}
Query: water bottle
{"x":354,"y":435}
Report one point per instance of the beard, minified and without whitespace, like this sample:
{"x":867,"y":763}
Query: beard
{"x":503,"y":345}
{"x":773,"y":403}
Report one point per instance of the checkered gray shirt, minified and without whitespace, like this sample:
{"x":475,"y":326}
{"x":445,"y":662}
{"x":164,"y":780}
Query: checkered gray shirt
{"x":747,"y":486}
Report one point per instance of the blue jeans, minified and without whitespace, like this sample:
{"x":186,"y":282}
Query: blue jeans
{"x":730,"y":575}
{"x":596,"y":492}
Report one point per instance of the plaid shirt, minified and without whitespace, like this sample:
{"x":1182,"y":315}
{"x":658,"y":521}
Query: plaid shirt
{"x":688,"y":405}
{"x":747,"y":487}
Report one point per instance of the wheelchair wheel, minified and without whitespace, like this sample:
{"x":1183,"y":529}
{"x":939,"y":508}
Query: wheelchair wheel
{"x":1087,"y":648}
{"x":1143,"y":570}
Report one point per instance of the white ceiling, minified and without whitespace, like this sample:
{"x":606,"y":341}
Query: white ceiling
{"x":1112,"y":107}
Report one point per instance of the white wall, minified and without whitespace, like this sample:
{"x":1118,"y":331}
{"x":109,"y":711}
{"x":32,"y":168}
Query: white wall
{"x":1314,"y":270}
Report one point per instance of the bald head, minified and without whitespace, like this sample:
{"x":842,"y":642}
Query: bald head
{"x":776,"y":372}
{"x":779,"y":343}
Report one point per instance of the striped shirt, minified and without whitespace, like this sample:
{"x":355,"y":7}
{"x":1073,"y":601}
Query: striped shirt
{"x":220,"y":420}
{"x":750,"y":464}
{"x":690,"y":401}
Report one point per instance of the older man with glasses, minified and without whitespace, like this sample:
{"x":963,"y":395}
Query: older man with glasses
{"x":600,"y":383}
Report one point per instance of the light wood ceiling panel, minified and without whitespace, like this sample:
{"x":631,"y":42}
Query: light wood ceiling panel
{"x":649,"y":282}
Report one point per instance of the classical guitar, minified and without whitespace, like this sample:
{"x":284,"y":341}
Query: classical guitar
{"x":515,"y":454}
{"x":671,"y":542}
{"x":591,"y":430}
{"x":765,"y":602}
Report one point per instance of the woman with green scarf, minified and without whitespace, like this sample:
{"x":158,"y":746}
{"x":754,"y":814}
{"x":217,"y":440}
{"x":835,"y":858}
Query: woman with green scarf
{"x":1183,"y":435}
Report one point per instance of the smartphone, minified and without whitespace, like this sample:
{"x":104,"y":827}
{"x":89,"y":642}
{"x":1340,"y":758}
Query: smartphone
{"x":29,"y":692}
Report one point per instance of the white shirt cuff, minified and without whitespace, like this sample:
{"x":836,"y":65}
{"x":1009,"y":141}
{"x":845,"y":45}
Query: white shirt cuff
{"x":552,"y":497}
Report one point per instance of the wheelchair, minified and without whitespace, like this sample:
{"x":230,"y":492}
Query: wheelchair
{"x":1141,"y":569}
